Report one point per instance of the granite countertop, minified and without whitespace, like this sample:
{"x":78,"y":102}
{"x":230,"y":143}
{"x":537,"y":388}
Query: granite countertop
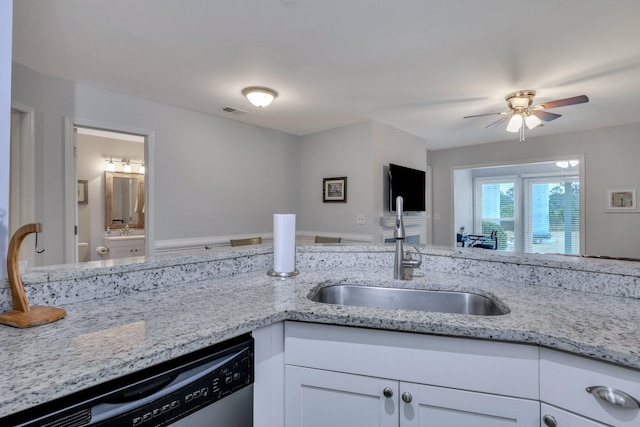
{"x":109,"y":337}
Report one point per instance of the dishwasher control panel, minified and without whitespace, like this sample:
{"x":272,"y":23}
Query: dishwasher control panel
{"x":213,"y":386}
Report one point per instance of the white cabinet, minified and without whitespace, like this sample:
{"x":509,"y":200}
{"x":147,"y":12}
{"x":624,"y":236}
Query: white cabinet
{"x":337,"y":376}
{"x":436,"y":406}
{"x":318,"y":398}
{"x":268,"y":388}
{"x":565,"y":381}
{"x":347,"y":376}
{"x":556,"y":417}
{"x":124,"y":246}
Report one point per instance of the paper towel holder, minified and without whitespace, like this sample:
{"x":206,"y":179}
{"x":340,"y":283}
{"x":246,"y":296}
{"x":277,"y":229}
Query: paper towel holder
{"x":274,"y":273}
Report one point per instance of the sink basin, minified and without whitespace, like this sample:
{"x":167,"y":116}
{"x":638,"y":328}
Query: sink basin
{"x":408,"y":299}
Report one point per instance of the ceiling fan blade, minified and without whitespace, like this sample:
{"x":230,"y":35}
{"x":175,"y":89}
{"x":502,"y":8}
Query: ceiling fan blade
{"x":545,"y":115}
{"x":482,"y":115}
{"x":496,"y":123}
{"x":562,"y":102}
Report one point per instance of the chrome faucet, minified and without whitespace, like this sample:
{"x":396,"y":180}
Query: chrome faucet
{"x":126,"y":231}
{"x":400,"y":262}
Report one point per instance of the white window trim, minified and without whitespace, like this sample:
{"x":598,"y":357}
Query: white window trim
{"x":527,"y":237}
{"x":477,"y":204}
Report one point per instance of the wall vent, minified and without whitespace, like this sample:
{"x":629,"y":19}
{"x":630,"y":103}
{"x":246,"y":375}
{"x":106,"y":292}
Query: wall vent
{"x":233,"y":110}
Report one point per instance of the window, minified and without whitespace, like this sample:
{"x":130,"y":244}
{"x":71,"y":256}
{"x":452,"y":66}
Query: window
{"x":496,"y":210}
{"x":552,"y":215}
{"x":534,"y":207}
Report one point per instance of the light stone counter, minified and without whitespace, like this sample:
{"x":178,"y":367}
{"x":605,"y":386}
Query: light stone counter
{"x":123,"y":317}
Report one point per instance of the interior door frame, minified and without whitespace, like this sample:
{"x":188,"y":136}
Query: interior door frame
{"x":23,"y":174}
{"x":71,"y":177}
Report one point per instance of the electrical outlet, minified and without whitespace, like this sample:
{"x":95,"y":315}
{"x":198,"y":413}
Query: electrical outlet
{"x":360,"y":219}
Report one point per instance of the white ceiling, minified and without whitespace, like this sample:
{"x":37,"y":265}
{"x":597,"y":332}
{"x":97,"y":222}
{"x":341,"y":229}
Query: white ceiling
{"x":417,"y":65}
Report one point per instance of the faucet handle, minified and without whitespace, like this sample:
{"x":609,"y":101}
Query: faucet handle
{"x":410,"y":261}
{"x":417,"y":248}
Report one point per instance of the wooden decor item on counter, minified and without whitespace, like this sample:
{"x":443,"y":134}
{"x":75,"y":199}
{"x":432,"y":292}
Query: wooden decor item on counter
{"x":23,"y":316}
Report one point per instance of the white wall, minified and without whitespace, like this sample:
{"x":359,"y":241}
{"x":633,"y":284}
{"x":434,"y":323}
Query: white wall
{"x":213,"y":176}
{"x":611,"y":161}
{"x":6,"y":22}
{"x":344,"y":151}
{"x":359,"y":152}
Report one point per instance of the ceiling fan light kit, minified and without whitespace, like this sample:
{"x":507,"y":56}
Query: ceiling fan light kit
{"x":532,"y":120}
{"x":521,"y":113}
{"x":515,"y":123}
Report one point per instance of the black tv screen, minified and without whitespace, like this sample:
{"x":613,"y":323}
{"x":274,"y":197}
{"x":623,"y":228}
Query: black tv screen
{"x":408,"y":183}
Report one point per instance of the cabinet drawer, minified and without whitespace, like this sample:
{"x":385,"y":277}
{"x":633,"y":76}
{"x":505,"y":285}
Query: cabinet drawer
{"x":563,"y":418}
{"x":564,"y":379}
{"x":467,"y":364}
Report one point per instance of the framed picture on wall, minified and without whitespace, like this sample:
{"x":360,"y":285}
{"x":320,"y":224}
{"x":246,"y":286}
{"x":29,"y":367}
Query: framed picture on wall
{"x":623,"y":200}
{"x":83,"y":192}
{"x":334,"y":190}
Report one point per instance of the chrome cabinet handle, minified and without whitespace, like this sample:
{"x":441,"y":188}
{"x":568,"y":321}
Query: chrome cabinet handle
{"x":387,"y":392}
{"x":406,"y":397}
{"x":549,"y":421}
{"x":613,"y":396}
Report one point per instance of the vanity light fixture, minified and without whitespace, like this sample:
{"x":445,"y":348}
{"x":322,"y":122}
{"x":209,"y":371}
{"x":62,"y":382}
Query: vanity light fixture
{"x":110,"y":166}
{"x":259,"y":96}
{"x":126,"y":165}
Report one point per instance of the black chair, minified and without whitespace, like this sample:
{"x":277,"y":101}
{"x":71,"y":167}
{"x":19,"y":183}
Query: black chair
{"x":490,"y":242}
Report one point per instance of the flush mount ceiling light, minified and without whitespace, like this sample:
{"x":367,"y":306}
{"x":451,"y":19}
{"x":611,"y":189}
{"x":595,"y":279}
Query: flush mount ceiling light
{"x":259,"y":96}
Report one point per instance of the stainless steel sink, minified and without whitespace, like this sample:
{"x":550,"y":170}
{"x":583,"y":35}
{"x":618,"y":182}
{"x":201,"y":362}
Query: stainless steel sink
{"x":408,"y":299}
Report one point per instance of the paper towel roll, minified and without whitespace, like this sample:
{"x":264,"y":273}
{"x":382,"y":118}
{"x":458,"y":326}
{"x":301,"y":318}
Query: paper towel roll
{"x":284,"y":243}
{"x":101,"y":250}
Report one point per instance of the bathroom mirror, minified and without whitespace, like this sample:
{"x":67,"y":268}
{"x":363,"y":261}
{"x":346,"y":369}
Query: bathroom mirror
{"x":124,"y":200}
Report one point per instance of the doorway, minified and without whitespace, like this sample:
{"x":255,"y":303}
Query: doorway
{"x":103,"y":211}
{"x":534,"y":207}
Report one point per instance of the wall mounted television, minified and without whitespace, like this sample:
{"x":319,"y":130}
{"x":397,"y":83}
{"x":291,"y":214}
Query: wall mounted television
{"x":408,"y":183}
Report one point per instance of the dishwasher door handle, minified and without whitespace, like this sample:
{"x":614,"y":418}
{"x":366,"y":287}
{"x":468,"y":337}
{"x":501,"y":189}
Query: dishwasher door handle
{"x":118,"y":404}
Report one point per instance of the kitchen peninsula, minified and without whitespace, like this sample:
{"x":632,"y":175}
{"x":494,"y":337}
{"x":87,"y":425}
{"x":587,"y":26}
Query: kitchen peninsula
{"x":126,"y":315}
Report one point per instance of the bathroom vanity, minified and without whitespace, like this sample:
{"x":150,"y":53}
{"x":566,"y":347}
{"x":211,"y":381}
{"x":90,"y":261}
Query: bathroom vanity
{"x":124,"y":246}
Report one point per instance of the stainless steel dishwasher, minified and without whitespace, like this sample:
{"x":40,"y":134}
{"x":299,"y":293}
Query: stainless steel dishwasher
{"x":210,"y":387}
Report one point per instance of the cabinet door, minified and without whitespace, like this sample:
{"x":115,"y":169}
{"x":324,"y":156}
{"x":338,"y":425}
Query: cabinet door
{"x":318,"y":398}
{"x":437,"y":406}
{"x":139,"y":249}
{"x":556,"y":417}
{"x":116,"y":252}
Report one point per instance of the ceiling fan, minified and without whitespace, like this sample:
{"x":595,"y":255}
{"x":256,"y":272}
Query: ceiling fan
{"x":521,"y":113}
